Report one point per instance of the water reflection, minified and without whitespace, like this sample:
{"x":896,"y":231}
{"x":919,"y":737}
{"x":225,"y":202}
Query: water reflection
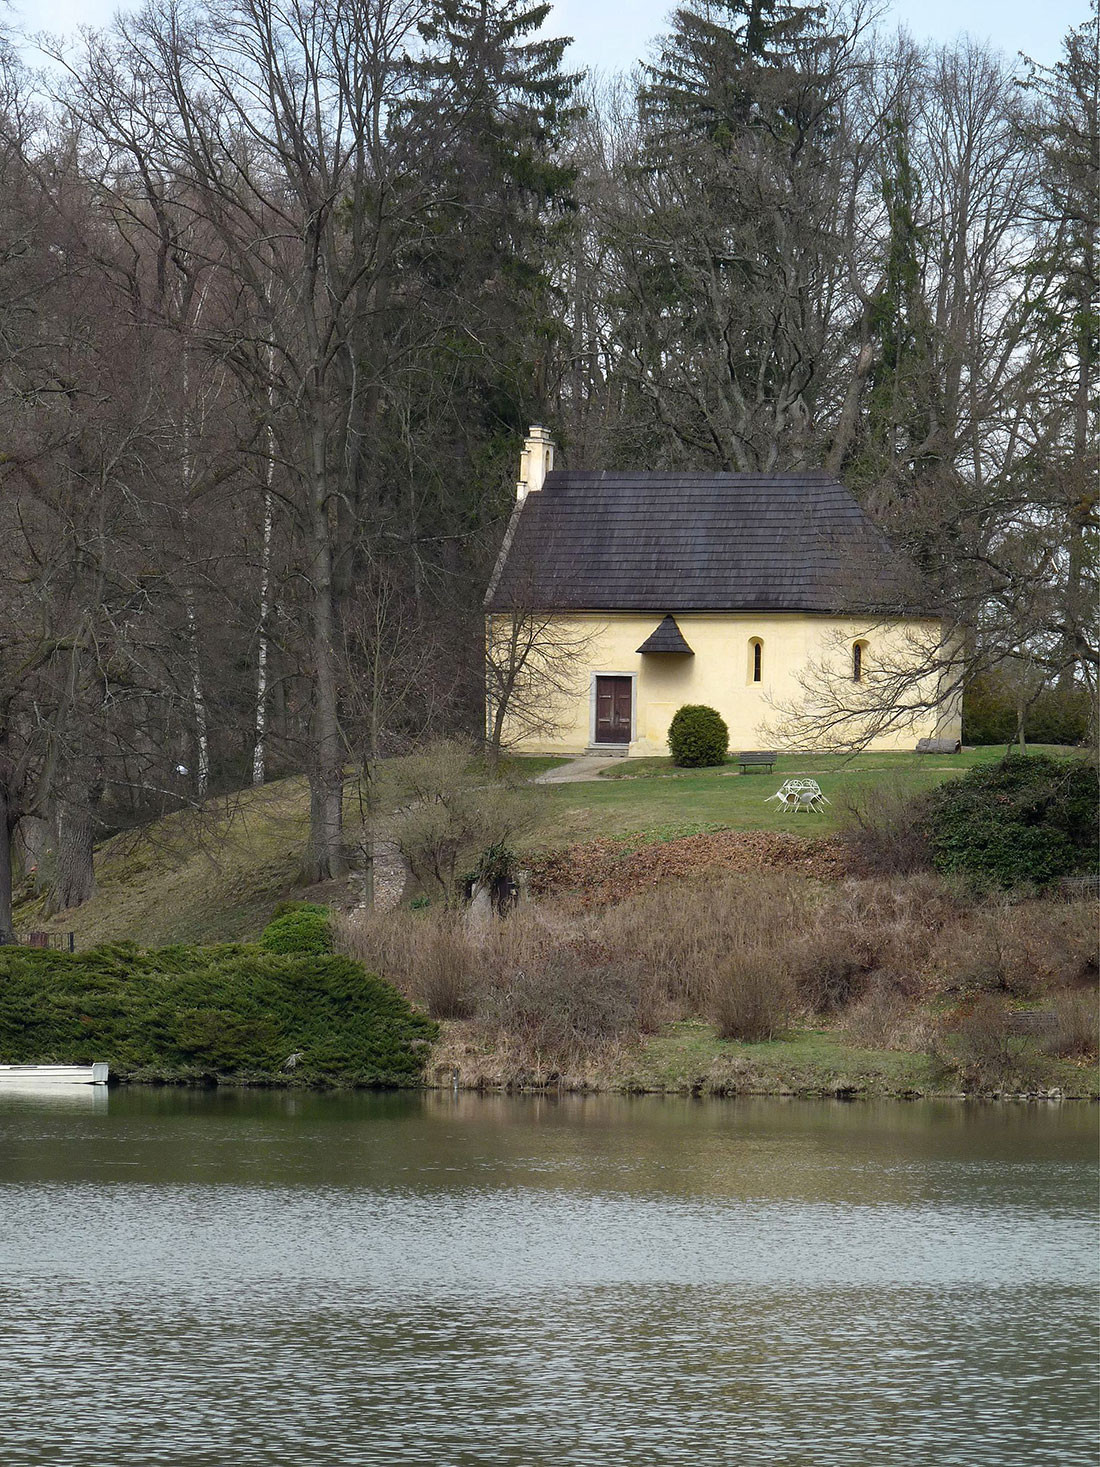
{"x":26,"y":1095}
{"x":446,"y":1279}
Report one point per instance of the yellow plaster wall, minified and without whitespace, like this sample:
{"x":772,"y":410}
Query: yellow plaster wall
{"x":720,"y":674}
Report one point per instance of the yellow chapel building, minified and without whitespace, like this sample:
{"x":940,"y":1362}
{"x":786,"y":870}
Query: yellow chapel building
{"x":751,"y":593}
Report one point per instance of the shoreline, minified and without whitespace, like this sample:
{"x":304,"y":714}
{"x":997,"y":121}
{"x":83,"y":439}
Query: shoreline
{"x":684,"y":1061}
{"x":550,"y":1090}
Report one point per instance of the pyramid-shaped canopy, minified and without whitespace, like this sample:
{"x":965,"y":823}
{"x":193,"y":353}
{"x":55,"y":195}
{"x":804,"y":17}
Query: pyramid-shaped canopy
{"x":666,"y":638}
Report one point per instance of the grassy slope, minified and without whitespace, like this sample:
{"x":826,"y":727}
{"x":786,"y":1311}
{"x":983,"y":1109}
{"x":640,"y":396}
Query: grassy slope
{"x":691,"y":1057}
{"x":216,"y":877}
{"x":190,"y":878}
{"x":213,"y":876}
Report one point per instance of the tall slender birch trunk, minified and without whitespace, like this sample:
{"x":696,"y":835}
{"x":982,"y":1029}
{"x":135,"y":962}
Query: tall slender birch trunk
{"x":194,"y":666}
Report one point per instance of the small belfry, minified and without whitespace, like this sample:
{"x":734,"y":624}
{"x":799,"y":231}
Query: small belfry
{"x":725,"y":589}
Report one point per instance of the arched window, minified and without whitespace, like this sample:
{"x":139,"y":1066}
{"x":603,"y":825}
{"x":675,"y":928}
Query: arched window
{"x":858,"y":650}
{"x":756,"y":659}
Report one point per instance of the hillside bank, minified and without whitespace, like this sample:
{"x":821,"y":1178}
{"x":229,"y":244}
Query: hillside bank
{"x":714,"y":961}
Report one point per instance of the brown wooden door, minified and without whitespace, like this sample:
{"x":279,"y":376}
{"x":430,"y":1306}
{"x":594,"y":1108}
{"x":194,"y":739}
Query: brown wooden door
{"x":614,"y":707}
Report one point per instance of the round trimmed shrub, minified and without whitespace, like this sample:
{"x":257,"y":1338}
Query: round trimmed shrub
{"x":698,"y":737}
{"x":298,"y":927}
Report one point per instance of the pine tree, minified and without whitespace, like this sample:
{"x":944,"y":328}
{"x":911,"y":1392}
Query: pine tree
{"x":487,"y":111}
{"x":903,"y":383}
{"x":719,"y":66}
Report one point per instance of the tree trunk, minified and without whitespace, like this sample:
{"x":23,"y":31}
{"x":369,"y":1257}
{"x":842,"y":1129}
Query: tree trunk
{"x":74,"y":822}
{"x":198,"y":701}
{"x":198,"y":693}
{"x":326,"y":776}
{"x":1082,"y":507}
{"x":260,"y":728}
{"x":496,"y":734}
{"x":7,"y":930}
{"x":32,"y":847}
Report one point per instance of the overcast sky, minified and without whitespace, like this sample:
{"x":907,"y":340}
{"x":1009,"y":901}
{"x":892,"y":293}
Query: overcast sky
{"x":611,"y":34}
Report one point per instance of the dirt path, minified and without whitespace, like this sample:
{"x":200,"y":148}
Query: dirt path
{"x":585,"y":767}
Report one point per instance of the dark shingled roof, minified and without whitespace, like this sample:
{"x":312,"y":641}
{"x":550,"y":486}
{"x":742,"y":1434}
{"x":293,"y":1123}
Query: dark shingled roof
{"x":692,"y":542}
{"x":667,"y":637}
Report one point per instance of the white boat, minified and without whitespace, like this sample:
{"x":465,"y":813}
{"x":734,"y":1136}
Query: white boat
{"x":51,"y":1075}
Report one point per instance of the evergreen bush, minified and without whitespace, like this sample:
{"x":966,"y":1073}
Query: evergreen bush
{"x":298,"y":927}
{"x":1026,"y":820}
{"x":232,"y":1011}
{"x":698,"y":737}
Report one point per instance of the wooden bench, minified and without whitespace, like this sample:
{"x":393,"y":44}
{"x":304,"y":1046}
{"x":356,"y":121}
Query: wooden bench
{"x":753,"y":760}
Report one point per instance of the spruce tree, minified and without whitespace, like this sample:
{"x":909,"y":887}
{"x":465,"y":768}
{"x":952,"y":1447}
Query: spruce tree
{"x":490,"y":103}
{"x":1065,"y":285}
{"x":732,"y":187}
{"x":718,"y":68}
{"x":902,"y":391}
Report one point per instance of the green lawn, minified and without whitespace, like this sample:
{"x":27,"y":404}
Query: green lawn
{"x":649,"y":797}
{"x":788,"y":765}
{"x":529,"y":766}
{"x":690,"y":1057}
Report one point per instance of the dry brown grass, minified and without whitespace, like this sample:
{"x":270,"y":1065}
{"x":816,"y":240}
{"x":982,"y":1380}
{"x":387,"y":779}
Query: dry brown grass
{"x":1076,"y":1030}
{"x":1019,"y":949}
{"x":750,"y":952}
{"x":684,"y":934}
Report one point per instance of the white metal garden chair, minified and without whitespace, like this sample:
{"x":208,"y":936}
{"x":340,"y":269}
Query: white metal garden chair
{"x":801,"y":794}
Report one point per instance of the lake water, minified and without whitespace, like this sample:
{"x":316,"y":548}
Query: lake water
{"x":234,"y":1279}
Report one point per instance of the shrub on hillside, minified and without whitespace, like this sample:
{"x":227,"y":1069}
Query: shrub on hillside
{"x":1026,"y":820}
{"x":577,"y":1001}
{"x":862,"y":934}
{"x":881,"y":1017}
{"x":981,"y":1042}
{"x":698,"y":737}
{"x":443,"y":814}
{"x":1076,"y":1030}
{"x":752,"y":996}
{"x":882,"y":828}
{"x":428,"y":954}
{"x":232,"y":1010}
{"x":681,"y":932}
{"x":1018,"y":948}
{"x":298,"y":927}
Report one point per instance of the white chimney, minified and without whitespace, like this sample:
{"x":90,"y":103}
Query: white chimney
{"x":535,"y":462}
